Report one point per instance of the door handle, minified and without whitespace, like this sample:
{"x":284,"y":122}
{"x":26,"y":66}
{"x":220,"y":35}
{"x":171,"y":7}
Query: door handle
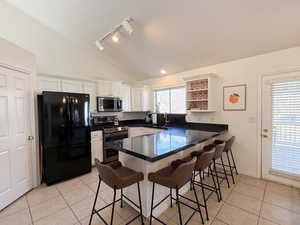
{"x":264,"y":136}
{"x":30,"y":138}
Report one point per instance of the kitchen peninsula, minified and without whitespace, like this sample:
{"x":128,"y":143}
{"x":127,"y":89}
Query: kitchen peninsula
{"x":151,"y":152}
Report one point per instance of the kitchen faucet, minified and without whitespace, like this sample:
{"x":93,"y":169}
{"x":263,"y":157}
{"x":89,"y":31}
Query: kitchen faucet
{"x":166,"y":119}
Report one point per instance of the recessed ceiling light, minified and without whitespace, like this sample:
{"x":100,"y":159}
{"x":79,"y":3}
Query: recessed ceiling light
{"x":115,"y":38}
{"x":162,"y":71}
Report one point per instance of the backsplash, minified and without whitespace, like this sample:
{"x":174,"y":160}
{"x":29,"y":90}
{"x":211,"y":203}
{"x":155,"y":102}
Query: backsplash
{"x":122,"y":115}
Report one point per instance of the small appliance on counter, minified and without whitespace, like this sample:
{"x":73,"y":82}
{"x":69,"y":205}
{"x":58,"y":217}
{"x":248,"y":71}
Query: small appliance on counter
{"x":109,"y":104}
{"x":111,"y":132}
{"x":64,"y":135}
{"x":154,"y":118}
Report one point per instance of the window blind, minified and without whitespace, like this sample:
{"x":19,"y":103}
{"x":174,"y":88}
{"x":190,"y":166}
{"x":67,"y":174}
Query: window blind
{"x":170,"y":100}
{"x":286,"y":127}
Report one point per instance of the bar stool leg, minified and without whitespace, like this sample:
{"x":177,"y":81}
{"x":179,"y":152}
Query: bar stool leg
{"x":226,"y":177}
{"x":193,"y":178}
{"x":140,"y":202}
{"x":121,"y":197}
{"x":215,"y":186}
{"x":234,"y":163}
{"x":152,"y":199}
{"x":113,"y":207}
{"x":198,"y":205}
{"x":218,"y":182}
{"x":171,"y":197}
{"x":231,"y":172}
{"x":95,"y":201}
{"x":204,"y":198}
{"x":178,"y":205}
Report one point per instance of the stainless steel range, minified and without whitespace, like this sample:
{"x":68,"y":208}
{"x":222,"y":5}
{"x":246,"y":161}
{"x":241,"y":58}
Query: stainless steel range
{"x":111,"y":132}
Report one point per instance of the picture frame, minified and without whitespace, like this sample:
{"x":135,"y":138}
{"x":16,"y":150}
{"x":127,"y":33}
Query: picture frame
{"x":235,"y":97}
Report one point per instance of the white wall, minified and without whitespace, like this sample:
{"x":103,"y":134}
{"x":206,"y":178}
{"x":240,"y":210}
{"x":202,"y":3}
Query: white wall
{"x":244,"y":125}
{"x":55,"y":54}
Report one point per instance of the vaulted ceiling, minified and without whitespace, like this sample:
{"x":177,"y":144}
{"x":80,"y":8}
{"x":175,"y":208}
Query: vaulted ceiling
{"x":175,"y":35}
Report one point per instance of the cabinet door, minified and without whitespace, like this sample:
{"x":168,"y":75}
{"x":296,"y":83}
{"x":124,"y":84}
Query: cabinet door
{"x":71,"y":86}
{"x":104,"y":88}
{"x":48,"y":84}
{"x":91,"y":89}
{"x":147,"y":100}
{"x":126,"y":97}
{"x":137,"y":99}
{"x":116,"y":89}
{"x":97,"y":146}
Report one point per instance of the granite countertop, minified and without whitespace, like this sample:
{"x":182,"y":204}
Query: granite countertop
{"x":168,"y":141}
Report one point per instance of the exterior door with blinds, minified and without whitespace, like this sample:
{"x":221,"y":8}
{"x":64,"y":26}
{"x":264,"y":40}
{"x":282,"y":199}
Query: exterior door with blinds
{"x":281,"y":128}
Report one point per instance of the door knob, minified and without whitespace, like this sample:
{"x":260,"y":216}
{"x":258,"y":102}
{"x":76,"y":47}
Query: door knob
{"x":264,"y":136}
{"x":265,"y":130}
{"x":30,"y":138}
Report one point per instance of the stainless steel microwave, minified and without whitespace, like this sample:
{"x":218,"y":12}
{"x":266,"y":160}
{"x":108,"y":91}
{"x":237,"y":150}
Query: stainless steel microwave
{"x":109,"y":104}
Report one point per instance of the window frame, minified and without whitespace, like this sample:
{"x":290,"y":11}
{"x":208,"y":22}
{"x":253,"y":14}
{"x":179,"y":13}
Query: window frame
{"x":170,"y":103}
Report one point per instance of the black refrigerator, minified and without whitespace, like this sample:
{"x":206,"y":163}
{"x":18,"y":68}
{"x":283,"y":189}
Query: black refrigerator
{"x":64,"y":133}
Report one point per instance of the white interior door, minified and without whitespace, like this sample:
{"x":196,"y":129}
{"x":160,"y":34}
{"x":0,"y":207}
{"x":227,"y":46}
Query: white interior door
{"x":281,"y":128}
{"x":15,"y":148}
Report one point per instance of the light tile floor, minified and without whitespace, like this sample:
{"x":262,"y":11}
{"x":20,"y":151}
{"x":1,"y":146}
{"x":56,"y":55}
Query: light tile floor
{"x":249,"y":202}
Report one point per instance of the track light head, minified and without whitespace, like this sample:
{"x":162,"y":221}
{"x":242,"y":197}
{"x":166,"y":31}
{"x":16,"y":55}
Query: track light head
{"x":99,"y":45}
{"x":127,"y":26}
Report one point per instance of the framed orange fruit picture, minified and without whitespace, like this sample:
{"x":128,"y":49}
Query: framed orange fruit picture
{"x":234,"y":98}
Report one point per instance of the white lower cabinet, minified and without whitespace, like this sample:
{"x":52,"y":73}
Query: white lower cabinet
{"x":97,"y":146}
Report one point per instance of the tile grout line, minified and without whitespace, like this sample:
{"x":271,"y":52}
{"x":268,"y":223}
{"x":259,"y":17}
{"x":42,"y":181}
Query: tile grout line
{"x":262,"y":202}
{"x":222,"y":205}
{"x":29,"y":209}
{"x":68,"y":205}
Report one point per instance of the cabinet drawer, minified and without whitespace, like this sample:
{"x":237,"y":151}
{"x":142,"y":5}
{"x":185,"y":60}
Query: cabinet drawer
{"x":96,"y":135}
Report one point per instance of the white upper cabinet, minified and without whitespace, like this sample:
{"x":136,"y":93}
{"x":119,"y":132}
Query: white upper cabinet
{"x":71,"y":86}
{"x":45,"y":83}
{"x":104,"y":88}
{"x":109,"y":88}
{"x":137,"y":99}
{"x":91,"y":89}
{"x":48,"y":84}
{"x":140,"y":99}
{"x":148,"y":100}
{"x":126,"y":97}
{"x":116,"y":89}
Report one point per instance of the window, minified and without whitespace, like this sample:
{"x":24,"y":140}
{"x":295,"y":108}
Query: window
{"x":170,"y":100}
{"x":286,"y":127}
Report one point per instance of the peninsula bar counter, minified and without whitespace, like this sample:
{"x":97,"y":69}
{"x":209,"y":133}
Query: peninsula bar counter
{"x":149,"y":153}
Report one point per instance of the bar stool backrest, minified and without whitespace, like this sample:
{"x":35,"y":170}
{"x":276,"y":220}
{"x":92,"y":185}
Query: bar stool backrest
{"x":229,"y":143}
{"x":205,"y":159}
{"x":219,"y":151}
{"x":107,"y":174}
{"x":183,"y":173}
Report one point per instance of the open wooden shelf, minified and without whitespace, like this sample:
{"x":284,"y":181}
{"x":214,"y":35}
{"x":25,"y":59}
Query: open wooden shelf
{"x":200,"y":95}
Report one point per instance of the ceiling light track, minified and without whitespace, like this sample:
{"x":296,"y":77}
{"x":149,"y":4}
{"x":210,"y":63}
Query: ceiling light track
{"x":114,"y":33}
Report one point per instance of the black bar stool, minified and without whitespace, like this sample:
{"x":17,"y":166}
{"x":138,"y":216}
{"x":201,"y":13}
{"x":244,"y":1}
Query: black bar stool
{"x":204,"y":162}
{"x":219,"y":156}
{"x":117,"y":177}
{"x":228,"y":149}
{"x":175,"y":177}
